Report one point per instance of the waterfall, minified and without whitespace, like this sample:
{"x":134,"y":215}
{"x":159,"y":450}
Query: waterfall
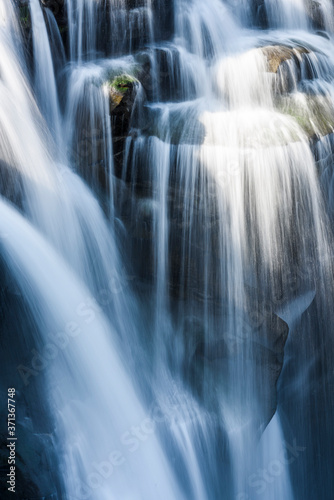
{"x":45,"y":84}
{"x":166,"y":235}
{"x":82,"y":21}
{"x":290,"y":15}
{"x":59,"y":297}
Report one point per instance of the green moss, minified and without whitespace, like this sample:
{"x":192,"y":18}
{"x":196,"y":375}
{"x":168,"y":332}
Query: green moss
{"x":25,"y":16}
{"x":122,"y":83}
{"x":314,"y":114}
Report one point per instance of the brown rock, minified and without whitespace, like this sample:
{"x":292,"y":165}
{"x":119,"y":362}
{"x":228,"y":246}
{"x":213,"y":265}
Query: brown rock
{"x":278,"y":54}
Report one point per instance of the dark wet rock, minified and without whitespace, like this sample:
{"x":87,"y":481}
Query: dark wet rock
{"x":23,"y":6}
{"x":36,"y":462}
{"x":160,"y":68}
{"x":11,"y":185}
{"x":163,"y":15}
{"x":164,"y":19}
{"x":256,"y":348}
{"x":145,"y":75}
{"x":90,"y":139}
{"x":123,"y":91}
{"x":131,"y":27}
{"x":25,"y":22}
{"x":58,"y":9}
{"x":56,"y":6}
{"x":177,"y":127}
{"x":316,"y":14}
{"x":260,"y":16}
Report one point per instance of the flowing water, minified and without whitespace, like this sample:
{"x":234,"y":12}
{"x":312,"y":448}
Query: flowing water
{"x":172,"y":265}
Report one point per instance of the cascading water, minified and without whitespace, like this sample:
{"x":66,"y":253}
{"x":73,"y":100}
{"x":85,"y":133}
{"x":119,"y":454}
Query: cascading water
{"x":291,"y":15}
{"x":166,"y":245}
{"x":45,"y":84}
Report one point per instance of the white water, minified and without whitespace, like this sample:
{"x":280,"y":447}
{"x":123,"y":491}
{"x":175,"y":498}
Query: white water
{"x":63,"y":304}
{"x":82,"y":19}
{"x":287,"y":14}
{"x":44,"y":76}
{"x":238,"y":238}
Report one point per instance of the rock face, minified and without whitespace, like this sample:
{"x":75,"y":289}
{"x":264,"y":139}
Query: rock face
{"x":259,"y":348}
{"x":278,"y":54}
{"x":120,"y":88}
{"x":260,"y":14}
{"x":11,"y":185}
{"x":56,"y":6}
{"x":91,"y":148}
{"x":314,"y":114}
{"x":316,"y":15}
{"x":36,"y":460}
{"x":33,"y":467}
{"x":123,"y":91}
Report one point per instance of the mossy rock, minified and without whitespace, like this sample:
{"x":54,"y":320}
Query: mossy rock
{"x":25,"y":19}
{"x":313,"y":113}
{"x":119,"y":86}
{"x":115,"y":98}
{"x":122,"y":83}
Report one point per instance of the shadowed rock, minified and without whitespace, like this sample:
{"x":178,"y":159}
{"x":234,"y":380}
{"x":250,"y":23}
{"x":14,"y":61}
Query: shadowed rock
{"x":255,"y":354}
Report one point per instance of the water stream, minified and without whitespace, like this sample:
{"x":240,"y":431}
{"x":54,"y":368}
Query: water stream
{"x":166,"y":221}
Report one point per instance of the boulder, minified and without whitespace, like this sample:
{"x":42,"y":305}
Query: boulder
{"x":35,"y":465}
{"x":119,"y":89}
{"x":313,"y":113}
{"x":316,"y":15}
{"x":55,"y":6}
{"x":123,"y":91}
{"x":37,"y":472}
{"x":278,"y":54}
{"x":253,"y":352}
{"x":25,"y":22}
{"x":260,"y":17}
